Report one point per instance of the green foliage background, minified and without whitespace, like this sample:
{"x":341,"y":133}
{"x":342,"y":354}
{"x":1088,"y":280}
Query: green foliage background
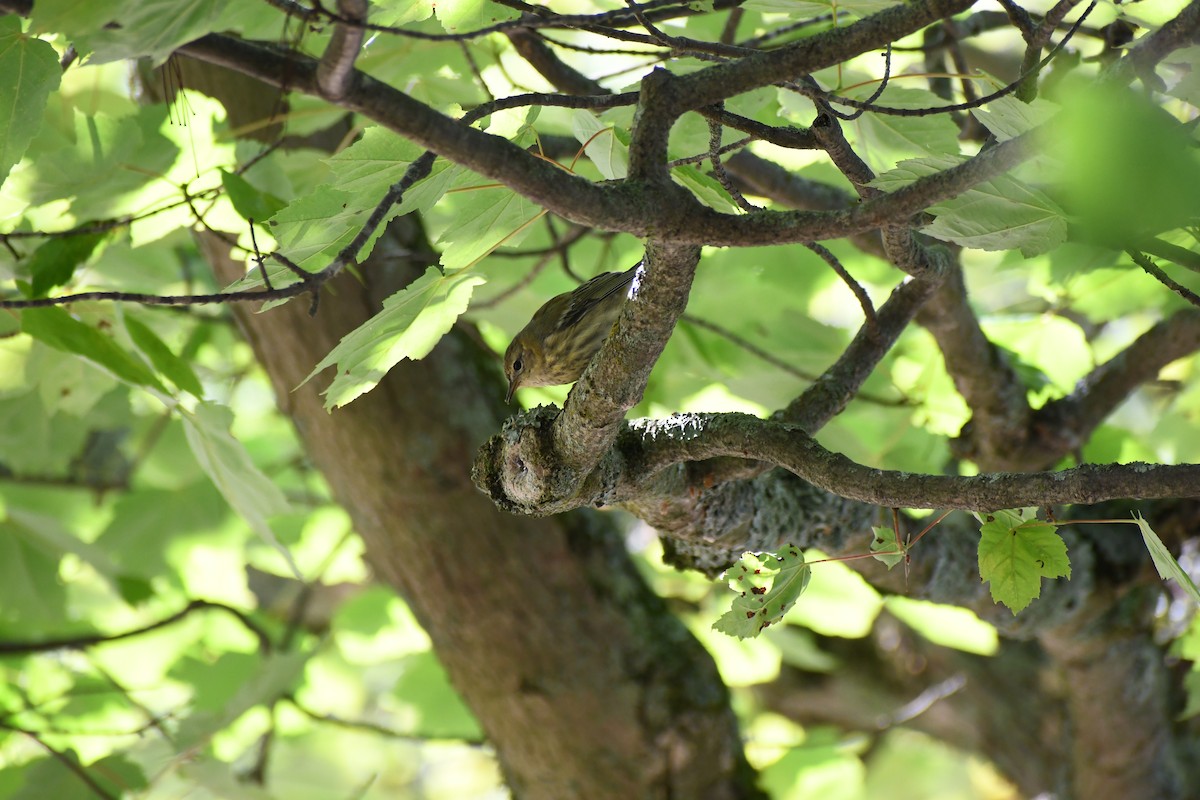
{"x":144,"y":465}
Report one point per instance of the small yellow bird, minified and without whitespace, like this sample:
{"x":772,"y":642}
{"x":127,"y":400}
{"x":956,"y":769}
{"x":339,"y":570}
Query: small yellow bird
{"x":563,"y":335}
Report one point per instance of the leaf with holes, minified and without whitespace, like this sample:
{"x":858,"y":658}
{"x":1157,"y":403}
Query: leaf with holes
{"x":769,"y":584}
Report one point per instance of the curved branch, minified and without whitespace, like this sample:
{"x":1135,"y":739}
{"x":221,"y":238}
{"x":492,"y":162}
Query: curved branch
{"x":337,"y":62}
{"x":648,"y":446}
{"x":630,"y":206}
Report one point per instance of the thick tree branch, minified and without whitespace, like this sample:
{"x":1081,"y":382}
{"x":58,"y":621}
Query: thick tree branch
{"x":1146,"y":54}
{"x":838,"y":385}
{"x":984,"y":378}
{"x":337,"y":62}
{"x":1061,"y":427}
{"x":633,"y":207}
{"x":514,"y":471}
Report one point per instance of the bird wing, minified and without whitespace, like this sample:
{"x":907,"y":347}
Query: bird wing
{"x":595,"y":291}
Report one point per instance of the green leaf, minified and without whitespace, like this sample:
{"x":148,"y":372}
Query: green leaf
{"x":949,"y":626}
{"x":1119,"y":199}
{"x":314,"y":227}
{"x":1007,"y":117}
{"x":485,"y":219}
{"x":48,"y":534}
{"x":178,"y":371}
{"x":399,"y":12}
{"x":411,"y":323}
{"x":1016,"y":553}
{"x":884,"y":139}
{"x":225,"y":460}
{"x":1001,"y":214}
{"x":769,"y":584}
{"x":606,"y":151}
{"x":885,"y":547}
{"x":147,"y":523}
{"x":471,"y":15}
{"x":147,"y":28}
{"x":58,"y":329}
{"x":54,"y":263}
{"x":274,"y":677}
{"x":30,"y":590}
{"x":425,"y":689}
{"x":29,"y":71}
{"x":1168,"y":568}
{"x":248,"y":201}
{"x":707,"y":189}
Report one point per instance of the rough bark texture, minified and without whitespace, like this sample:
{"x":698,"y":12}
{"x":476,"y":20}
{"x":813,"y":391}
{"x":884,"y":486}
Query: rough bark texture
{"x":582,"y":680}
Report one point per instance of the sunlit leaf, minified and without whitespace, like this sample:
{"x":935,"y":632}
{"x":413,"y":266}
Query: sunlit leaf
{"x":885,"y":547}
{"x":1168,"y":568}
{"x":1016,"y":553}
{"x":486,"y":219}
{"x":273,"y":677}
{"x":177,"y":370}
{"x":1007,"y":117}
{"x":58,"y":329}
{"x":768,"y":585}
{"x":251,"y":203}
{"x":225,"y":460}
{"x":411,"y":323}
{"x":29,"y":71}
{"x":54,"y":263}
{"x":606,"y":151}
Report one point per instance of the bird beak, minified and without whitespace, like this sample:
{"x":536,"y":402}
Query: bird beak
{"x":512,"y":387}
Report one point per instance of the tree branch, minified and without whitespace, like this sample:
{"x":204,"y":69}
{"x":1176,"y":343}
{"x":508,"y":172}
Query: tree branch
{"x":336,"y":69}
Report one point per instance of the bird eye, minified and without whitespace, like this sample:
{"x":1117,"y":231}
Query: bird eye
{"x":518,"y":366}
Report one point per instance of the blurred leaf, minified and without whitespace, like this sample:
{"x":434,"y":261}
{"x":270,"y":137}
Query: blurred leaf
{"x":1016,"y":553}
{"x":837,"y":601}
{"x":423,"y":685}
{"x":226,"y":462}
{"x":1130,"y":169}
{"x":58,"y":329}
{"x":54,"y":263}
{"x":252,"y":204}
{"x":1168,"y":568}
{"x":399,"y":12}
{"x":412,"y":321}
{"x":29,"y":587}
{"x":177,"y":370}
{"x":273,"y":677}
{"x":50,"y":778}
{"x":29,"y":71}
{"x":469,"y":15}
{"x":146,"y":522}
{"x":147,"y":28}
{"x":105,"y":166}
{"x":949,"y":626}
{"x":820,"y":768}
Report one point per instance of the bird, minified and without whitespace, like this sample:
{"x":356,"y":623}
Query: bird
{"x":562,"y":336}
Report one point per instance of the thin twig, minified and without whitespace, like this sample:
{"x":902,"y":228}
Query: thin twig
{"x":1143,"y":261}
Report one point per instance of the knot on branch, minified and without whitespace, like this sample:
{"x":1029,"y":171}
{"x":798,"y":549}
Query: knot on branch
{"x":521,"y":470}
